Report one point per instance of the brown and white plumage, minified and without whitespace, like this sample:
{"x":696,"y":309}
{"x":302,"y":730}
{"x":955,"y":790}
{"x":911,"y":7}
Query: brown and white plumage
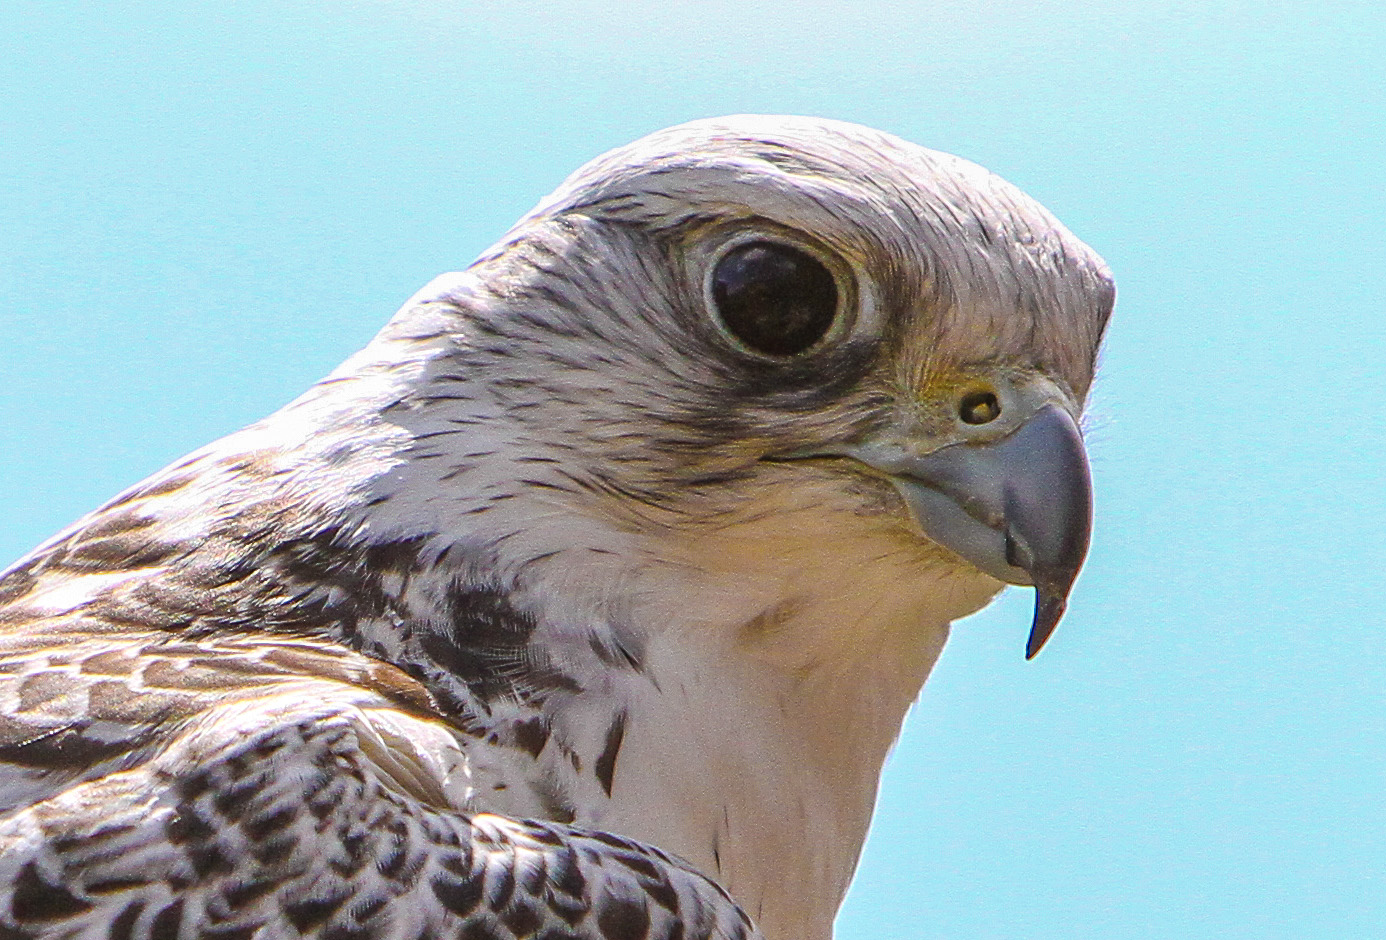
{"x":558,"y":611}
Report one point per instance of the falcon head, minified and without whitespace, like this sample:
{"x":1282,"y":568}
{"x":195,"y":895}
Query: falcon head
{"x":669,"y":500}
{"x":777,"y":361}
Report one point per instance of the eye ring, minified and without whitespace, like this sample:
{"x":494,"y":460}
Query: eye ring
{"x":776,"y":298}
{"x":979,"y":407}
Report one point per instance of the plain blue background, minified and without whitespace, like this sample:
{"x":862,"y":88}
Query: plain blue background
{"x":204,"y":207}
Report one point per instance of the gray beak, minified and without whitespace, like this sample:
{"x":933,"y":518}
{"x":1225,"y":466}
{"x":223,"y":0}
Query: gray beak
{"x":1019,"y":508}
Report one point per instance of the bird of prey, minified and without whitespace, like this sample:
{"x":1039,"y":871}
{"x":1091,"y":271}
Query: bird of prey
{"x":587,"y":599}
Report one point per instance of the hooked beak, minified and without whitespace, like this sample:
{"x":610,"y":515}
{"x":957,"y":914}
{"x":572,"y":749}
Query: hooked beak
{"x":1019,"y":507}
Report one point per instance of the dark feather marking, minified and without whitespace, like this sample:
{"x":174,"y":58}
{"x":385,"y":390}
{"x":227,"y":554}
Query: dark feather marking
{"x":531,"y":735}
{"x":600,"y":482}
{"x":312,"y":912}
{"x":571,"y":908}
{"x":486,"y":644}
{"x":348,"y":932}
{"x":35,"y":899}
{"x":123,"y":927}
{"x":459,"y":864}
{"x":441,"y":397}
{"x":622,"y":918}
{"x":364,"y":910}
{"x":479,"y":928}
{"x":187,"y":825}
{"x":243,"y":932}
{"x":428,"y":435}
{"x":275,"y":850}
{"x":543,"y":556}
{"x":262,"y":827}
{"x":460,"y":897}
{"x":640,"y":864}
{"x":612,"y":652}
{"x":605,"y":767}
{"x":114,"y":700}
{"x":548,"y":485}
{"x":662,"y":893}
{"x":112,"y":663}
{"x":613,"y":840}
{"x":533,"y":873}
{"x":500,"y":887}
{"x":485,"y":631}
{"x":115,"y":885}
{"x":393,"y":864}
{"x":44,"y":687}
{"x":210,"y":860}
{"x":63,"y":748}
{"x":233,"y":801}
{"x":167,"y":922}
{"x":239,"y":895}
{"x":15,"y":585}
{"x":170,"y":484}
{"x":522,"y":918}
{"x":565,"y":874}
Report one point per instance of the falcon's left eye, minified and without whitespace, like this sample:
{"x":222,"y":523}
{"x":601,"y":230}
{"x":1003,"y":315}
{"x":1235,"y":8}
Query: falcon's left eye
{"x":776,"y":299}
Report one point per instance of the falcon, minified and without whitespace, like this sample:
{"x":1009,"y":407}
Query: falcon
{"x":585,"y":601}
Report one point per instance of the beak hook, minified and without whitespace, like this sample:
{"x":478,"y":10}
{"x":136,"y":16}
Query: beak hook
{"x":1050,"y":605}
{"x":1019,"y":507}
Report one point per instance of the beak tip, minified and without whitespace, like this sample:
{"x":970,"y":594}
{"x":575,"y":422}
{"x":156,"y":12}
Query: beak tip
{"x":1049,"y":609}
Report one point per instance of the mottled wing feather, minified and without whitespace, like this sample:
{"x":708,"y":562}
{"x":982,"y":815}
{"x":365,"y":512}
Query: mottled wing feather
{"x":77,"y":706}
{"x":257,"y":801}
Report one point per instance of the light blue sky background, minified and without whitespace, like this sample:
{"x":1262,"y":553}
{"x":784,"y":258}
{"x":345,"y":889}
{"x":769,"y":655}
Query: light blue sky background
{"x":204,"y":207}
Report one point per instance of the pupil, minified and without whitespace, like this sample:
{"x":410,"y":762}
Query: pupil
{"x":775,"y":298}
{"x":979,"y":408}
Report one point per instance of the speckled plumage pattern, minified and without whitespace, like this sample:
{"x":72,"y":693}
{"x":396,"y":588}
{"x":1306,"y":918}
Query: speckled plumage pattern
{"x":528,"y":621}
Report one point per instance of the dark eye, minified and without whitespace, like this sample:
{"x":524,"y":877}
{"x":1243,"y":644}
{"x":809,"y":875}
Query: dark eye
{"x":979,"y":408}
{"x":777,"y":299}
